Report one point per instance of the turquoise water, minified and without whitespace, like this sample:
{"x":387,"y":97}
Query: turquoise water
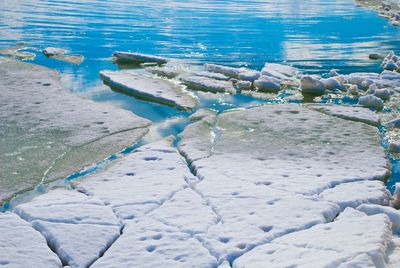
{"x":314,"y":35}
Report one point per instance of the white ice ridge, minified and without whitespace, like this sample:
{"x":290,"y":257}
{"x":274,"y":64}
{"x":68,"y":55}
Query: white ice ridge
{"x":135,"y":57}
{"x":150,"y":88}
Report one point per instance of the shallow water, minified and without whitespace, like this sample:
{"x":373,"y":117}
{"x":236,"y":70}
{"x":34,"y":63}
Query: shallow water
{"x":314,"y":35}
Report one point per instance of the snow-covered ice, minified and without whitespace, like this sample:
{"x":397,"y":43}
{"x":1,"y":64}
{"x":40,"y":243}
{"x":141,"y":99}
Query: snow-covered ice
{"x":64,"y":132}
{"x":204,"y":83}
{"x":23,"y":246}
{"x":77,"y":227}
{"x":150,"y":88}
{"x":354,"y":113}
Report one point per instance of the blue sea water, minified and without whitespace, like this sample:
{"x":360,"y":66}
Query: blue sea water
{"x":314,"y":35}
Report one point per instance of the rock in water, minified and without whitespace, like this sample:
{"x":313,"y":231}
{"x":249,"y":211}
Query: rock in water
{"x":371,"y":101}
{"x":138,"y":57}
{"x":310,"y":85}
{"x":64,"y":132}
{"x":149,"y":88}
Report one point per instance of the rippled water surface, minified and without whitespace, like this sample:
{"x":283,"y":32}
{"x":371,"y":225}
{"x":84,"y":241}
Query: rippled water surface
{"x":316,"y":35}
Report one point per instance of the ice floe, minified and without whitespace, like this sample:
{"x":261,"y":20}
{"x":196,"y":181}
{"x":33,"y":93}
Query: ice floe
{"x":204,"y":83}
{"x":138,"y":57}
{"x":59,"y":133}
{"x":150,"y":88}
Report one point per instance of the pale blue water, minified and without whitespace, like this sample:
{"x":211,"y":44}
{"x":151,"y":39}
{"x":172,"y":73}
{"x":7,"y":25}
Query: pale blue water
{"x":314,"y":35}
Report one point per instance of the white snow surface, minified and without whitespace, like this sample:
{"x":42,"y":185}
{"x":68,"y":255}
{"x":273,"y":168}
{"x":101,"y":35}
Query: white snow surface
{"x":77,"y":227}
{"x":22,"y":246}
{"x":350,"y":242}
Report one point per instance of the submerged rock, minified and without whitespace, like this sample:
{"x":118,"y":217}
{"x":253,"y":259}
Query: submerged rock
{"x":150,"y":88}
{"x":15,"y":52}
{"x":312,"y":85}
{"x":49,"y":133}
{"x":138,"y":57}
{"x":207,"y":84}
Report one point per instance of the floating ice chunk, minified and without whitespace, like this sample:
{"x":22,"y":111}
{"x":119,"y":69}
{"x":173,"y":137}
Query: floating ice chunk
{"x":207,"y":84}
{"x":217,"y":76}
{"x":354,"y":113}
{"x":54,"y":51}
{"x":249,"y":76}
{"x":371,"y":101}
{"x":332,"y":83}
{"x":333,"y":73}
{"x":151,"y":88}
{"x":383,"y":93}
{"x":390,"y":65}
{"x":390,"y":75}
{"x":138,"y":57}
{"x":336,"y":242}
{"x":150,"y":243}
{"x":353,"y":194}
{"x":286,"y":70}
{"x":225,"y":70}
{"x":23,"y":246}
{"x":265,"y":83}
{"x":393,"y":214}
{"x":311,"y":85}
{"x":167,"y":72}
{"x":243,"y":85}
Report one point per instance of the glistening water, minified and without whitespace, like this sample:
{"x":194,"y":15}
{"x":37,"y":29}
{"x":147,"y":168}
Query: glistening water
{"x":314,"y":35}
